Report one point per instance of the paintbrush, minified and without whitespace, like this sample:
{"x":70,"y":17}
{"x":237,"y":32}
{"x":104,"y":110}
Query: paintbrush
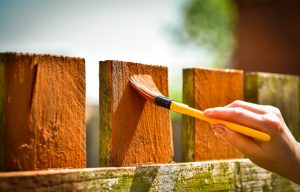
{"x":146,"y":87}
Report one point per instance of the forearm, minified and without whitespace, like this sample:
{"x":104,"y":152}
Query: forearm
{"x":297,"y":170}
{"x":291,"y":169}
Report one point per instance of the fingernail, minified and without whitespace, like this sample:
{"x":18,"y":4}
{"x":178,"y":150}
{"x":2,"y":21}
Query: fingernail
{"x":220,"y":130}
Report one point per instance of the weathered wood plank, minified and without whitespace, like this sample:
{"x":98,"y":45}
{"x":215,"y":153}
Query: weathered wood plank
{"x":226,"y":175}
{"x":44,"y":112}
{"x":188,"y":123}
{"x":205,"y":88}
{"x":254,"y":178}
{"x":2,"y":154}
{"x":278,"y":90}
{"x":132,"y":130}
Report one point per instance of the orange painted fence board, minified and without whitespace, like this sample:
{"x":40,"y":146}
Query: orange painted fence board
{"x":132,"y":130}
{"x":202,"y":89}
{"x":44,"y":111}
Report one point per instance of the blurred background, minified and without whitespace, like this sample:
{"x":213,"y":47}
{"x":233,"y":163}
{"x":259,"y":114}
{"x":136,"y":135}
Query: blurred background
{"x":254,"y":35}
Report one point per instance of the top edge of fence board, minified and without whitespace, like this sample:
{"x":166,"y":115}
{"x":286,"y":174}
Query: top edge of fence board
{"x":133,"y":62}
{"x":214,"y":69}
{"x":99,"y":169}
{"x":276,"y":75}
{"x":40,"y":55}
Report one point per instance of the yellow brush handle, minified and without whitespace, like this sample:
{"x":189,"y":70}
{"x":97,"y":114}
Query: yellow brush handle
{"x":185,"y":109}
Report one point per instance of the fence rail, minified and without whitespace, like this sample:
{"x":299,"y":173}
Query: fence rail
{"x":226,"y":175}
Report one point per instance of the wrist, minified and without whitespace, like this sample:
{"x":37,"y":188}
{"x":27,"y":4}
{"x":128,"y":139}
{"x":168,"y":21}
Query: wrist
{"x":295,"y":174}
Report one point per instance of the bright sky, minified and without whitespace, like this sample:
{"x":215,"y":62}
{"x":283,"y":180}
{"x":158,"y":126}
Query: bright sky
{"x":129,"y":30}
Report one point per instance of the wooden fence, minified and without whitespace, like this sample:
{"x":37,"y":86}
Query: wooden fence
{"x":43,"y":144}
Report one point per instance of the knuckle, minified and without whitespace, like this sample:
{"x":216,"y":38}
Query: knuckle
{"x":274,"y":110}
{"x":272,"y":121}
{"x":238,"y":111}
{"x":237,"y":103}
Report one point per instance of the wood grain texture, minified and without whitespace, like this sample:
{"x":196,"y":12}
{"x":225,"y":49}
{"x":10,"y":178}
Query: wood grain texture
{"x":278,"y":90}
{"x":2,"y":154}
{"x":254,"y":178}
{"x":188,"y":122}
{"x":211,"y":88}
{"x":226,"y":175}
{"x":132,"y":130}
{"x":44,"y":112}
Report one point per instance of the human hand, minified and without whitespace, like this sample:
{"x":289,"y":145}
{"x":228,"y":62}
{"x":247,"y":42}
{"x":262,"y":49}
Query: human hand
{"x":280,"y":155}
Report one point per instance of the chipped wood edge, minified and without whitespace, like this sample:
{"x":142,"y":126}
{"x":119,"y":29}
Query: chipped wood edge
{"x":225,"y":175}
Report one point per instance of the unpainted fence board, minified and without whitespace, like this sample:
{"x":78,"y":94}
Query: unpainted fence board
{"x":278,"y":90}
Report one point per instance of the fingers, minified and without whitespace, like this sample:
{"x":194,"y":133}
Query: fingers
{"x":237,"y":115}
{"x":243,"y":143}
{"x":255,"y":108}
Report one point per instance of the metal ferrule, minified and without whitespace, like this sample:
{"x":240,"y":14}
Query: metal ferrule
{"x":163,"y":101}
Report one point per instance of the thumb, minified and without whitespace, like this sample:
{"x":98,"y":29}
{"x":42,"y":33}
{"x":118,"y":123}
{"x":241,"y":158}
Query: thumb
{"x":243,"y":143}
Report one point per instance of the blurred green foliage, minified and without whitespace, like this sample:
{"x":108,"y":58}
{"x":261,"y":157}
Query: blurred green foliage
{"x":208,"y":24}
{"x":176,"y":96}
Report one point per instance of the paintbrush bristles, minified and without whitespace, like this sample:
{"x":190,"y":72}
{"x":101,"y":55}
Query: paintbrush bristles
{"x":145,"y":86}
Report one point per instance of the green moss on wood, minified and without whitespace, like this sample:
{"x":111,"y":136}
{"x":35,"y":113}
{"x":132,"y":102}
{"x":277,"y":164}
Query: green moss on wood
{"x":234,"y":175}
{"x":105,"y":111}
{"x":278,"y":90}
{"x":212,"y":178}
{"x":251,"y":91}
{"x":254,"y":178}
{"x":188,"y":123}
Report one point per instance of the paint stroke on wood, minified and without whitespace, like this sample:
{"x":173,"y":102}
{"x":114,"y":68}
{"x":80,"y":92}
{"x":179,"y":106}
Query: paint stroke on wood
{"x":281,"y":91}
{"x":44,"y":112}
{"x":132,"y":130}
{"x":202,"y":89}
{"x":226,"y":175}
